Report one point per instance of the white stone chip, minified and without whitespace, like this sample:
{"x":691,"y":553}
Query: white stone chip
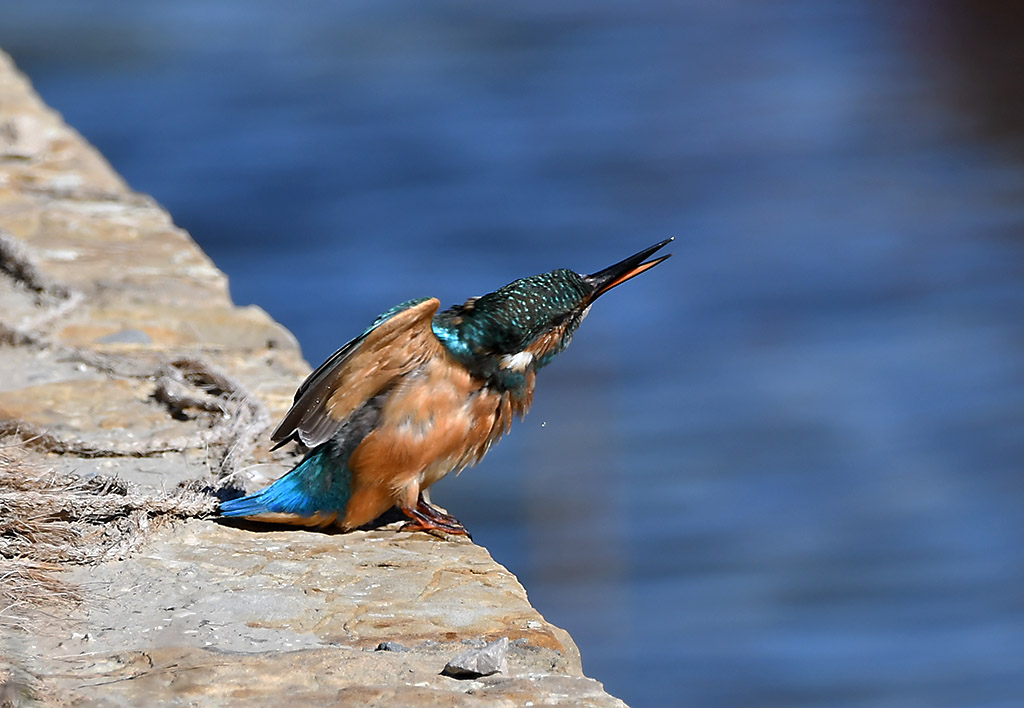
{"x":484,"y":661}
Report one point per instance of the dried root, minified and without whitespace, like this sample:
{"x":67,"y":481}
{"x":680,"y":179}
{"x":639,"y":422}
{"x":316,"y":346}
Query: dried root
{"x":48,"y":521}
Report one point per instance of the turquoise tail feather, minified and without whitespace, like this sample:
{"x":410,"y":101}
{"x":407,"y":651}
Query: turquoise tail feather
{"x":318,"y":488}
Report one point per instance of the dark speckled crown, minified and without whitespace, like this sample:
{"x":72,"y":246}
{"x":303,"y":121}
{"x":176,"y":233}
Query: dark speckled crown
{"x":507,"y":320}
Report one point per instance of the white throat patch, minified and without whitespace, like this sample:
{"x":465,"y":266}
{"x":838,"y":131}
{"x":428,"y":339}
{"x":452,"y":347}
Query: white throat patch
{"x":517,"y":362}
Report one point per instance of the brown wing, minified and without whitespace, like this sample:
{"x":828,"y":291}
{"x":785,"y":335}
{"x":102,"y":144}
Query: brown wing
{"x":399,"y":342}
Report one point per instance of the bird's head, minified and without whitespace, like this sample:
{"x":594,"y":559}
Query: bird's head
{"x":519,"y":328}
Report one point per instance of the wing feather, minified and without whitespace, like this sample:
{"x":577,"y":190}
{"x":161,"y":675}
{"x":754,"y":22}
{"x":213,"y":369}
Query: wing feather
{"x":396,"y":344}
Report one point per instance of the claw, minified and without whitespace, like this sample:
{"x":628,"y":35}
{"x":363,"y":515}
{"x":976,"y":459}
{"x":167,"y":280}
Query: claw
{"x":425,"y":517}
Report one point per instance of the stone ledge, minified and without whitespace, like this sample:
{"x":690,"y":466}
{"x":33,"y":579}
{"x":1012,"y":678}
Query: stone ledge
{"x":106,"y":307}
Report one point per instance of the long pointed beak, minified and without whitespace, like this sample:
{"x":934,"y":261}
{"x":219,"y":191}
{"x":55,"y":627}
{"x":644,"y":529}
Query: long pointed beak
{"x":605,"y":280}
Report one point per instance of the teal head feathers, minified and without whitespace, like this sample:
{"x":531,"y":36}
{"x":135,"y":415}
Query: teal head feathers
{"x":523,"y":325}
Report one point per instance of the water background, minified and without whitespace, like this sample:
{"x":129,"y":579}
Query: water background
{"x":781,"y":469}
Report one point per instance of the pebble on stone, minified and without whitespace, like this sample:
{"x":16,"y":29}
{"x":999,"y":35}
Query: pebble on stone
{"x":473,"y":663}
{"x":391,"y":646}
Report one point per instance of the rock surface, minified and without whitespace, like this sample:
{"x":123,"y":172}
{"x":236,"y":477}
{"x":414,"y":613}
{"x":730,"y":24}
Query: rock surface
{"x":122,"y":354}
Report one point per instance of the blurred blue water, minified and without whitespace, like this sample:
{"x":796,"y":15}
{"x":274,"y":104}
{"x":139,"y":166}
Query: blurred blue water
{"x":782,"y":469}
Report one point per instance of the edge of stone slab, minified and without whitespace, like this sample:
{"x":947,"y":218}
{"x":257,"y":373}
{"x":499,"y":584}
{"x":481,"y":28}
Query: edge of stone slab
{"x":78,"y":177}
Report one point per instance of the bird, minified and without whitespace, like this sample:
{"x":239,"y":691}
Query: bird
{"x":420,"y":394}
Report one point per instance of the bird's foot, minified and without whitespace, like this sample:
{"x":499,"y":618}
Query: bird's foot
{"x":436,"y":515}
{"x":424,"y":517}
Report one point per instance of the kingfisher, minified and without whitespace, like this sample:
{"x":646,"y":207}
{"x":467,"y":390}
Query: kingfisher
{"x":422,"y":393}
